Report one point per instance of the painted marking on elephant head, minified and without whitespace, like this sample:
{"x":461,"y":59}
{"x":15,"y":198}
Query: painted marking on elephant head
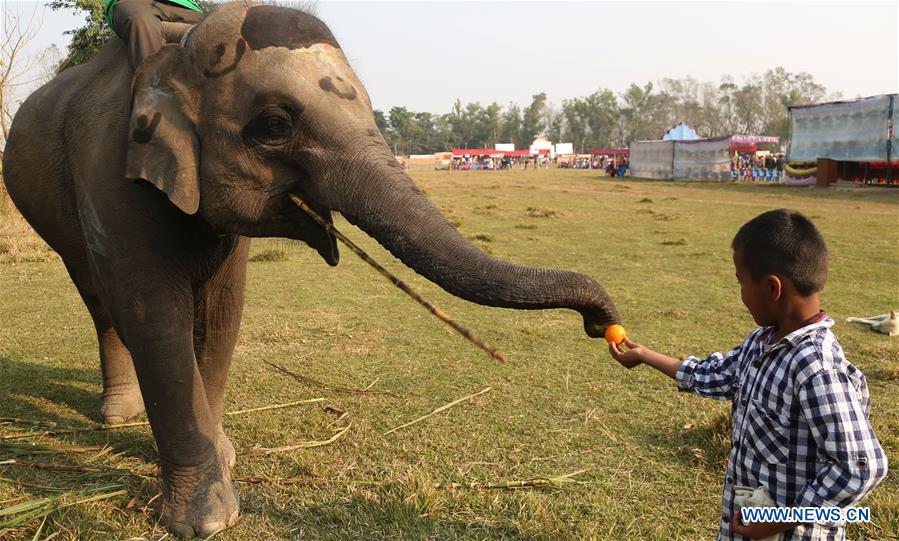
{"x":275,"y":26}
{"x":327,"y":85}
{"x":219,"y":53}
{"x":220,"y":50}
{"x":144,"y":130}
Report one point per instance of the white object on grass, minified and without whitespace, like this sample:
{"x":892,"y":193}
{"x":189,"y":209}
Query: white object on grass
{"x":885,"y":323}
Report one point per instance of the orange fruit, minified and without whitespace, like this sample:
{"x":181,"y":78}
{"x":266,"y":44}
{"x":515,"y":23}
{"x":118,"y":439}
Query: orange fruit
{"x":615,"y":334}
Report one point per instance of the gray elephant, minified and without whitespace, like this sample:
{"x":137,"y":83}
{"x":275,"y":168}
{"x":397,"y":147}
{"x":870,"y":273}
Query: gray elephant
{"x":149,"y":190}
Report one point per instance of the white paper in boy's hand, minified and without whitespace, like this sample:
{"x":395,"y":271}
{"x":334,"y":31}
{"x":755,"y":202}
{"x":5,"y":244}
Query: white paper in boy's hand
{"x":755,"y":497}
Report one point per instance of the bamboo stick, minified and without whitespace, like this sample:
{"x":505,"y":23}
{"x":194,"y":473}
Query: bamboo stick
{"x":552,"y":480}
{"x":526,"y":483}
{"x":99,"y":427}
{"x":264,"y":451}
{"x":440,"y":314}
{"x":438,"y":410}
{"x":316,"y":383}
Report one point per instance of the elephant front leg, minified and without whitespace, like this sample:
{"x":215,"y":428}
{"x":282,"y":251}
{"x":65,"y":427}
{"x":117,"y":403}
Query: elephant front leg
{"x":218,"y":306}
{"x":198,"y":497}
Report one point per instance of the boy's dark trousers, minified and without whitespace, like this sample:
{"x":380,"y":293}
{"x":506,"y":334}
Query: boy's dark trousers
{"x":139,"y":23}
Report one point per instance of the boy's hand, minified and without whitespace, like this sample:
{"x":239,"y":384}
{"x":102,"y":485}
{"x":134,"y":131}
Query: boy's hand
{"x":758,"y":530}
{"x":633,"y":356}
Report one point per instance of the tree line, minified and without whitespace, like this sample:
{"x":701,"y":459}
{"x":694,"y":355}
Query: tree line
{"x":757,"y":106}
{"x":605,"y":119}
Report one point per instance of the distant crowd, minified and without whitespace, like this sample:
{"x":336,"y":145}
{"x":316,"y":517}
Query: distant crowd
{"x":612,"y":167}
{"x":752,"y":167}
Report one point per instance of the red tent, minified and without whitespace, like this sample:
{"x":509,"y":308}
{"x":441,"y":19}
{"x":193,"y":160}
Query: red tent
{"x":475,"y":152}
{"x":744,"y":148}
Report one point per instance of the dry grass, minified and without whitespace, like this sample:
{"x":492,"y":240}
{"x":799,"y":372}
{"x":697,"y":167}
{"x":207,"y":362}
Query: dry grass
{"x":654,"y":457}
{"x":18,"y":242}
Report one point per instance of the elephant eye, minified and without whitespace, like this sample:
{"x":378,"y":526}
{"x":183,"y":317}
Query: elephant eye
{"x":273,"y":125}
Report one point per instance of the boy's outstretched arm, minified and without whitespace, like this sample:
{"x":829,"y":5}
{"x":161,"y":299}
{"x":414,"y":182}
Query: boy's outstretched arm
{"x":715,"y":378}
{"x":636,"y":355}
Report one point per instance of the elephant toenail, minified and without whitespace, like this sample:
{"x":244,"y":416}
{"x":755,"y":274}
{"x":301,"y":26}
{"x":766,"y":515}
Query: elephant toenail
{"x":182,"y":530}
{"x":210,"y":528}
{"x":232,"y":520}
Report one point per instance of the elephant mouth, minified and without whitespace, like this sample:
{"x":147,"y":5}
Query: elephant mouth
{"x":312,"y":232}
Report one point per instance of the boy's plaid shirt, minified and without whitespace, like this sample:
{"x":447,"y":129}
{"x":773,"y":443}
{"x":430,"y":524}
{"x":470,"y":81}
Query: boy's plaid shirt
{"x":800,"y":423}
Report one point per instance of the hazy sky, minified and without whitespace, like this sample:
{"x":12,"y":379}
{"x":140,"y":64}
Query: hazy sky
{"x":424,"y":55}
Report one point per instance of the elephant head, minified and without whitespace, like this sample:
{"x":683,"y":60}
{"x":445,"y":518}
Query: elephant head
{"x":258,"y":102}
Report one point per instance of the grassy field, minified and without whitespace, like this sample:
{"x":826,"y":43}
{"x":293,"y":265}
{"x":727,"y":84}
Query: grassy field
{"x":654,"y":458}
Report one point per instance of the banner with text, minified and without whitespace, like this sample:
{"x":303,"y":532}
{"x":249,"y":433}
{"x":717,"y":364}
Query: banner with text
{"x":707,"y":159}
{"x":652,"y":159}
{"x":854,"y":131}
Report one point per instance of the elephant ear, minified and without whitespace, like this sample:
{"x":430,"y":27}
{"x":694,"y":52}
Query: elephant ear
{"x":163,"y":148}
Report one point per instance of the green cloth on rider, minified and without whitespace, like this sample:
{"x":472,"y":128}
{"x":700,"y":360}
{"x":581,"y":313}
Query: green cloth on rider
{"x":189,"y":4}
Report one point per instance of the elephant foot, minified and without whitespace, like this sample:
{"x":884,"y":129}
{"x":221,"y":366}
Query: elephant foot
{"x":226,"y":449}
{"x":121,"y":403}
{"x":198,"y":501}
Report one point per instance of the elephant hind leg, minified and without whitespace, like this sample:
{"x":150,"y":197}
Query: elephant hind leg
{"x":121,"y":399}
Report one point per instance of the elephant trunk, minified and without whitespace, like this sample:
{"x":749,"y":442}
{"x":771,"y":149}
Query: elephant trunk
{"x":386,"y":204}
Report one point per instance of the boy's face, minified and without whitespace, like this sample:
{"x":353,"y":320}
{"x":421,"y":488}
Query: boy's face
{"x":760,"y":296}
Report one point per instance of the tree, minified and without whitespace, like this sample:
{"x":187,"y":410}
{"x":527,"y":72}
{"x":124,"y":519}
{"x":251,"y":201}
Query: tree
{"x":402,"y":124}
{"x":636,"y":112}
{"x":512,"y":125}
{"x":575,"y":113}
{"x":532,"y":124}
{"x":601,"y":117}
{"x":382,"y":123}
{"x":554,"y":120}
{"x":493,"y":124}
{"x":87,"y":40}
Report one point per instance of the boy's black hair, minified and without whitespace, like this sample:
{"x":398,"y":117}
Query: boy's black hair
{"x":787,"y":243}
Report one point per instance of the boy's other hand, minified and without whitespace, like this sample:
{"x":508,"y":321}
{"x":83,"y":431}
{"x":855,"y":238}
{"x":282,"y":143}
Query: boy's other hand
{"x":758,"y":530}
{"x":634,"y":355}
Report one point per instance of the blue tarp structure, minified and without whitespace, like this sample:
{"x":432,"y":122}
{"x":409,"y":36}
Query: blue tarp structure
{"x":681,"y":132}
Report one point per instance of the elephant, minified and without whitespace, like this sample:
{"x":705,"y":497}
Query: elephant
{"x":149,"y":185}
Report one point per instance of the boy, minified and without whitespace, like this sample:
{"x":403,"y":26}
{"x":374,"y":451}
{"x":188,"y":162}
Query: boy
{"x":139,"y":23}
{"x":800,"y":410}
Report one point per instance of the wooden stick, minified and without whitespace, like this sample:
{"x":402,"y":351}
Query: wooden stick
{"x":527,"y":483}
{"x":276,"y":406}
{"x":98,"y":428}
{"x":440,"y":314}
{"x":316,"y":383}
{"x":438,"y":410}
{"x":557,"y":480}
{"x":263,"y":451}
{"x":66,"y":467}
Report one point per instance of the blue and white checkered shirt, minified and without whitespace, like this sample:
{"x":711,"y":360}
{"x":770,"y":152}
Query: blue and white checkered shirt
{"x":800,"y":415}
